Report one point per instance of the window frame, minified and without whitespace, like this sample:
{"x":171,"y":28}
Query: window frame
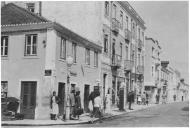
{"x":106,"y":8}
{"x":121,"y":50}
{"x":105,"y":43}
{"x":31,"y":45}
{"x":31,"y":6}
{"x":121,"y":18}
{"x":95,"y":58}
{"x":2,"y":91}
{"x":114,"y":11}
{"x":74,"y":52}
{"x":63,"y":55}
{"x":3,"y":47}
{"x":87,"y":56}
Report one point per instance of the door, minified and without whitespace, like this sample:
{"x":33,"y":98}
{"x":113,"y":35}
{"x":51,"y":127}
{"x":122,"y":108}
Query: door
{"x":86,"y":95}
{"x":28,"y":99}
{"x":61,"y":95}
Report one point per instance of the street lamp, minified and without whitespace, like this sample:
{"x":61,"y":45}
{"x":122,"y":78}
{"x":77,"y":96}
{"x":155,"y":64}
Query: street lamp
{"x":69,"y":61}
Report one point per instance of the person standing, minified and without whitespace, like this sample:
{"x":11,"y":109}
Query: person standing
{"x":147,"y":98}
{"x":78,"y":104}
{"x":91,"y":98}
{"x":54,"y":106}
{"x":97,"y":107}
{"x":143,"y":98}
{"x":72,"y":105}
{"x":130,"y":99}
{"x":157,"y":99}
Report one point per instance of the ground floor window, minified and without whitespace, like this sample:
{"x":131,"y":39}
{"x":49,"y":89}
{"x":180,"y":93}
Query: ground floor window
{"x":4,"y":89}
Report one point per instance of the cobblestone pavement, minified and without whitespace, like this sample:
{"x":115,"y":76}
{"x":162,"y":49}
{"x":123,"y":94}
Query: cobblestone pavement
{"x":167,"y":115}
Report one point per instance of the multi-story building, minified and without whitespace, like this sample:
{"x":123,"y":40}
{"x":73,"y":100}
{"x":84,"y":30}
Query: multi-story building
{"x":34,"y":54}
{"x":164,"y":79}
{"x":183,"y":91}
{"x":171,"y":85}
{"x":115,"y":26}
{"x":152,"y":68}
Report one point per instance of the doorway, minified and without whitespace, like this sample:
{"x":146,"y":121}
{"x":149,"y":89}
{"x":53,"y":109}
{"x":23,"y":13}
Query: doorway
{"x":28,"y":99}
{"x":61,"y":95}
{"x":86,"y":95}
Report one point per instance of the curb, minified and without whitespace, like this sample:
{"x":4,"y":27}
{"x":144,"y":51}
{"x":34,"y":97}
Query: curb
{"x":83,"y":122}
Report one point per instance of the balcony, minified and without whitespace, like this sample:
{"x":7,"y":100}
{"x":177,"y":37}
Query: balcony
{"x":116,"y":61}
{"x":128,"y":35}
{"x":115,"y":25}
{"x":140,"y":44}
{"x":140,"y":69}
{"x":128,"y":65}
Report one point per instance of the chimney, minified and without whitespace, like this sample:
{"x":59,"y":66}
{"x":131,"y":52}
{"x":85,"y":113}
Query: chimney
{"x":3,"y":3}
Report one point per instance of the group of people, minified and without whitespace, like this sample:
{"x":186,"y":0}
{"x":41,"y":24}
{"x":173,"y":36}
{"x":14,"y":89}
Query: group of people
{"x":143,"y":99}
{"x":95,"y":106}
{"x":75,"y":105}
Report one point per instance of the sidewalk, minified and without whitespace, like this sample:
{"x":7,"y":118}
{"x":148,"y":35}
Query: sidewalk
{"x":85,"y":118}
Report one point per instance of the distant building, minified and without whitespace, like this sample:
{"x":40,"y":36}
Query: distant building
{"x":33,"y":60}
{"x":152,"y":84}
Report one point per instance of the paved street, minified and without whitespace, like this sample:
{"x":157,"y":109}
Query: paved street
{"x":174,"y":114}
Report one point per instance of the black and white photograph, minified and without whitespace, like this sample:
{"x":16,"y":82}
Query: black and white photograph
{"x":94,"y":64}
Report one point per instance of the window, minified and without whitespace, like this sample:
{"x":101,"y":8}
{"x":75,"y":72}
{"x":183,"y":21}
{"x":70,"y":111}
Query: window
{"x":95,"y":59}
{"x":152,"y":51}
{"x":127,"y":50}
{"x":106,"y":43}
{"x":31,"y":45}
{"x":121,"y":18}
{"x":87,"y":59}
{"x":127,"y":22}
{"x":133,"y":55}
{"x":74,"y":52}
{"x":152,"y":70}
{"x":106,"y":8}
{"x":114,"y":11}
{"x":121,"y":45}
{"x":4,"y":45}
{"x":139,"y":33}
{"x":31,"y":7}
{"x":138,"y":58}
{"x":63,"y":48}
{"x":4,"y":89}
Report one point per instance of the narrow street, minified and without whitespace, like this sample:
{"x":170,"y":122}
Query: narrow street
{"x":167,"y":115}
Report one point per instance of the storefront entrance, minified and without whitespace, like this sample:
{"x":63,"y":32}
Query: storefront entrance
{"x":28,"y":99}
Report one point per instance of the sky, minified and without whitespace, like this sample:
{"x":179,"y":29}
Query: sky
{"x":167,"y":22}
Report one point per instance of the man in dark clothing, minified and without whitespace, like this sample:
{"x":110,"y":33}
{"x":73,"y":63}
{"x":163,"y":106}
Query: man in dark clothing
{"x":130,"y":99}
{"x":92,"y":97}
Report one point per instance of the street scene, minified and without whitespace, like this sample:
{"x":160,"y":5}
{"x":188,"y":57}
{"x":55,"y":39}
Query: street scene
{"x":94,"y":64}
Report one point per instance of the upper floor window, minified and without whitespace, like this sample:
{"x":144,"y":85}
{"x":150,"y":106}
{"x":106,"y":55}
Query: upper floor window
{"x":114,"y":11}
{"x":106,"y":8}
{"x":31,"y":7}
{"x":74,"y":52}
{"x":139,"y":59}
{"x":139,"y":33}
{"x":143,"y":37}
{"x":121,"y":47}
{"x":4,"y":45}
{"x":95,"y":59}
{"x":121,"y":18}
{"x":63,"y":48}
{"x":152,"y":70}
{"x":127,"y":50}
{"x":4,"y":89}
{"x":87,"y":56}
{"x":106,"y":43}
{"x":31,"y":45}
{"x":127,"y":22}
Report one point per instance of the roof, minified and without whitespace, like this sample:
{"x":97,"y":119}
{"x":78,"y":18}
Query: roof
{"x":25,"y":20}
{"x":12,"y":14}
